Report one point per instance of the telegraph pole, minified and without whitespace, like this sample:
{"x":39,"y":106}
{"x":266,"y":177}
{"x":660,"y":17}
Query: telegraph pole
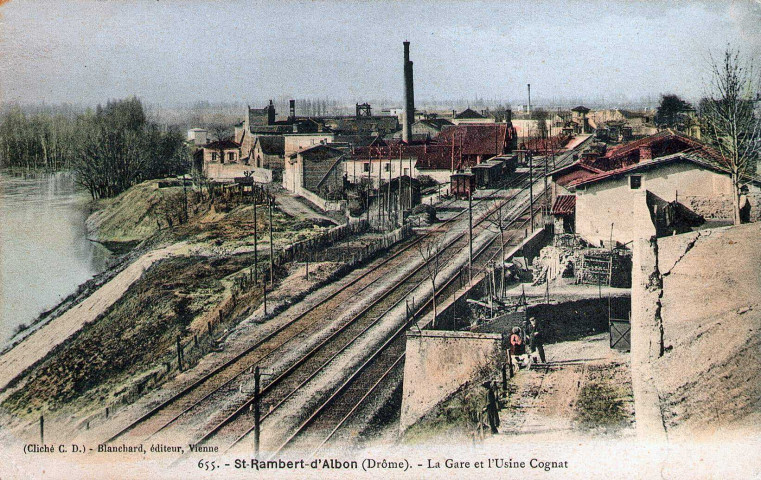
{"x":369,"y":184}
{"x":264,"y":294}
{"x":256,"y":244}
{"x":257,"y":411}
{"x":270,"y":201}
{"x":546,"y":198}
{"x":531,"y":189}
{"x":399,"y":215}
{"x":380,"y":179}
{"x":470,"y":238}
{"x":388,"y":197}
{"x":410,"y":206}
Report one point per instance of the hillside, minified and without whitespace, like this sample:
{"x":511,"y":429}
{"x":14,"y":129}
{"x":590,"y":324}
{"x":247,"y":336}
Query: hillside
{"x":135,"y":215}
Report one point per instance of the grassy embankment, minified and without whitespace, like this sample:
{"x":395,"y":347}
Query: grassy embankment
{"x":132,"y":346}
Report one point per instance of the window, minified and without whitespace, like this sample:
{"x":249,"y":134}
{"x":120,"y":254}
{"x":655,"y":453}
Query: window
{"x":635,"y":182}
{"x":387,"y":167}
{"x":366,"y":167}
{"x":231,"y":156}
{"x":406,"y":172}
{"x":213,"y":156}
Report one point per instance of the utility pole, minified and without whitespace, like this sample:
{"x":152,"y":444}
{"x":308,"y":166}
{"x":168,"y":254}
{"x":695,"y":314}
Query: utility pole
{"x":399,"y":215}
{"x":531,"y":189}
{"x":264,"y":294}
{"x":256,"y":243}
{"x":179,"y":354}
{"x":257,"y":411}
{"x":380,"y":179}
{"x":388,"y":197}
{"x":270,"y":201}
{"x":410,"y":192}
{"x":369,"y":184}
{"x":470,"y":238}
{"x":185,"y":195}
{"x":546,"y":213}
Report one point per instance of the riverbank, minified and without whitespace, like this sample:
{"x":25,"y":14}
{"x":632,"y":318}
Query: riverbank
{"x":190,"y":285}
{"x":44,"y":254}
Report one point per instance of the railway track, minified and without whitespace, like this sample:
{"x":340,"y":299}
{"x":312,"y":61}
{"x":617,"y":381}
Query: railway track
{"x":337,"y":410}
{"x":238,"y":423}
{"x":223,"y":380}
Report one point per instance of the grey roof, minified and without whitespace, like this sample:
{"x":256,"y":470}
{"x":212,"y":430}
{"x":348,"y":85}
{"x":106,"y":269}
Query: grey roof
{"x":468,"y":113}
{"x":272,"y":144}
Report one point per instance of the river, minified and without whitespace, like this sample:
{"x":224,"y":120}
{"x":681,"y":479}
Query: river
{"x":44,"y":252}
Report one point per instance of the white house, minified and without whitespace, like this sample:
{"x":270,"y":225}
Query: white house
{"x":633,"y":201}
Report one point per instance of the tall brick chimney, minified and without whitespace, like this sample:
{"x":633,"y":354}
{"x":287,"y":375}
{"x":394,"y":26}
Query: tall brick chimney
{"x":292,"y":106}
{"x":409,"y":96}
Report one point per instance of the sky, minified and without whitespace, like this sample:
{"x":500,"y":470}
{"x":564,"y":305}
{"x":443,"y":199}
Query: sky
{"x":175,"y":52}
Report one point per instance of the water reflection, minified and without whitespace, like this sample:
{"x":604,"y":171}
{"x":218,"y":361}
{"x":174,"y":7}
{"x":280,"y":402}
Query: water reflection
{"x":44,"y":252}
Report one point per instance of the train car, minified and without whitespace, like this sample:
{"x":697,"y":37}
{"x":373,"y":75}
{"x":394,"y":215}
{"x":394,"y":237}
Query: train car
{"x":463,"y":184}
{"x":510,"y":164}
{"x":489,"y":174}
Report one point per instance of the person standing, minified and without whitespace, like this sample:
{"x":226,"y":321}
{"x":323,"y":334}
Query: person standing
{"x":492,"y":409}
{"x":744,"y":205}
{"x":536,"y":339}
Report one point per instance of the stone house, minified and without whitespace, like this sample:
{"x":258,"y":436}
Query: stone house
{"x":268,"y":152}
{"x":659,"y":196}
{"x":316,"y":173}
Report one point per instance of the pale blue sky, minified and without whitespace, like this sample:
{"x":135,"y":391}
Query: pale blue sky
{"x":181,"y":51}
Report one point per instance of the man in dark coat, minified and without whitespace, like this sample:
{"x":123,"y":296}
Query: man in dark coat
{"x":536,"y":339}
{"x":492,"y":408}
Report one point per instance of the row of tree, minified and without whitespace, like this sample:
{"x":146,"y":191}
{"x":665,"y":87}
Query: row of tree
{"x":40,"y":140}
{"x":110,"y":149}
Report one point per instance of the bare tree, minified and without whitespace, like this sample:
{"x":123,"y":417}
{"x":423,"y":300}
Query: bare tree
{"x":541,"y":116}
{"x":220,"y":133}
{"x":500,"y":222}
{"x":430,"y":251}
{"x":728,"y":114}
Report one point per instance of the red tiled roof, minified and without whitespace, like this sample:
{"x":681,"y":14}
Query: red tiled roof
{"x":691,"y":157}
{"x":574,"y":173}
{"x":487,"y":139}
{"x":564,"y":205}
{"x":666,"y":142}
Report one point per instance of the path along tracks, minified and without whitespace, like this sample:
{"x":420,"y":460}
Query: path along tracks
{"x":222,"y":382}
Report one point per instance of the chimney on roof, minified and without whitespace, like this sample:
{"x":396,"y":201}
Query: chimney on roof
{"x":409,"y":96}
{"x":270,"y":114}
{"x":292,"y":106}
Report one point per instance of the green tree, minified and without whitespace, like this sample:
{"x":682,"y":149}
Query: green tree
{"x":670,"y":111}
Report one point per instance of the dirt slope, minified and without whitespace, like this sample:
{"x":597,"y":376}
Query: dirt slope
{"x":708,"y":379}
